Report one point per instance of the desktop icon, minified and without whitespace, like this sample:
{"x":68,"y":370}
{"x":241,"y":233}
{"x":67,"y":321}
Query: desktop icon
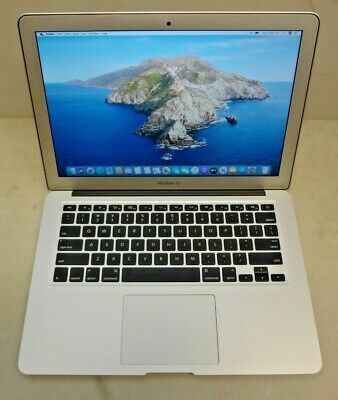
{"x":109,"y":171}
{"x":147,"y":170}
{"x":137,"y":170}
{"x":194,"y":170}
{"x":266,"y":170}
{"x":80,"y":171}
{"x":185,"y":170}
{"x":223,"y":170}
{"x":233,"y":170}
{"x":73,"y":171}
{"x":166,"y":170}
{"x":156,"y":170}
{"x":118,"y":170}
{"x":213,"y":170}
{"x":242,"y":170}
{"x":128,"y":170}
{"x":251,"y":170}
{"x":177,"y":171}
{"x":90,"y":171}
{"x":204,"y":170}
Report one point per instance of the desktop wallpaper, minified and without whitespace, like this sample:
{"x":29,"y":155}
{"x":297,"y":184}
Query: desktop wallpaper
{"x":152,"y":100}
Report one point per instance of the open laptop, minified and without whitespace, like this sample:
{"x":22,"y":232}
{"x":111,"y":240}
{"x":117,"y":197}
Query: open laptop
{"x":168,"y":241}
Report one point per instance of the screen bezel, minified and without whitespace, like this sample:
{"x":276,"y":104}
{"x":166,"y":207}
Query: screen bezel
{"x":308,"y":23}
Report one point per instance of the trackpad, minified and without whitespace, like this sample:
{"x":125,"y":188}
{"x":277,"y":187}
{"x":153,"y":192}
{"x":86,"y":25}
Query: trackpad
{"x":169,"y":329}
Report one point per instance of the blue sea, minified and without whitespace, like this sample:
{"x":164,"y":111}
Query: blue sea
{"x":88,"y":131}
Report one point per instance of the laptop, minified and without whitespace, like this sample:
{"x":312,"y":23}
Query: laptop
{"x":168,"y":240}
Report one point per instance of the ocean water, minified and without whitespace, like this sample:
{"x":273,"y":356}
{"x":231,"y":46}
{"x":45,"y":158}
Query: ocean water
{"x":88,"y":131}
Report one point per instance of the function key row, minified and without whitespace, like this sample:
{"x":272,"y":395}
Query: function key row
{"x":171,"y":207}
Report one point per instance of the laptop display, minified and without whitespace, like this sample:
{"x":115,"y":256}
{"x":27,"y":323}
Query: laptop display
{"x":178,"y":103}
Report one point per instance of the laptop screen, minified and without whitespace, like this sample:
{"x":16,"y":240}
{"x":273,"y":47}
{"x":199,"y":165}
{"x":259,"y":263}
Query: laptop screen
{"x":178,"y":103}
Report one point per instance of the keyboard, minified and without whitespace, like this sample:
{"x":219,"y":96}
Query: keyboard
{"x":210,"y":243}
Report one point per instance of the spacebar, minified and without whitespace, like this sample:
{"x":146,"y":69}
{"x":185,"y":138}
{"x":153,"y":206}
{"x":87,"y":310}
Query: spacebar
{"x":160,"y":274}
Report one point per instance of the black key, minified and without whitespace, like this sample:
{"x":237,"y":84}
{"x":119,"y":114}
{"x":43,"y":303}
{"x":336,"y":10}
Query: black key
{"x":76,"y":274}
{"x":69,"y":207}
{"x":91,"y":244}
{"x":129,"y":259}
{"x":252,"y":207}
{"x":130,"y":207}
{"x":122,"y":245}
{"x":68,"y":218}
{"x":211,"y":274}
{"x":236,"y":207}
{"x":100,"y":207}
{"x":176,"y":207}
{"x":89,"y":231}
{"x":103,"y":231}
{"x":260,"y":270}
{"x":70,"y":244}
{"x":267,"y":207}
{"x":153,"y":244}
{"x":142,"y":218}
{"x":277,"y":277}
{"x":229,"y":274}
{"x":210,"y":231}
{"x":113,"y":259}
{"x":107,"y":245}
{"x":168,"y":245}
{"x":217,"y":218}
{"x":247,"y":218}
{"x":231,"y":218}
{"x":112,"y":218}
{"x":255,"y":230}
{"x":138,"y":274}
{"x":265,"y":217}
{"x":245,"y":278}
{"x":70,"y":231}
{"x":127,"y":218}
{"x":164,"y":231}
{"x":208,"y":259}
{"x":225,"y":231}
{"x":245,"y":244}
{"x":206,"y":207}
{"x":195,"y":231}
{"x":92,"y":274}
{"x":221,"y":207}
{"x":191,"y":207}
{"x":110,"y":274}
{"x":119,"y":231}
{"x":172,"y":218}
{"x":85,"y":207}
{"x":215,"y":244}
{"x":239,"y":258}
{"x":145,"y":259}
{"x":192,"y":259}
{"x":230,"y":244}
{"x":262,"y":277}
{"x":98,"y":258}
{"x":60,"y":274}
{"x":199,"y":244}
{"x":180,"y":231}
{"x":72,"y":258}
{"x":271,"y":230}
{"x":241,"y":231}
{"x":82,"y":218}
{"x":271,"y":258}
{"x":184,"y":244}
{"x":137,"y":245}
{"x":160,"y":207}
{"x":223,"y":259}
{"x":202,"y":218}
{"x":115,"y":207}
{"x":145,"y":207}
{"x":187,"y":218}
{"x":176,"y":259}
{"x":160,"y":259}
{"x":267,"y":244}
{"x":157,"y":218}
{"x":134,"y":231}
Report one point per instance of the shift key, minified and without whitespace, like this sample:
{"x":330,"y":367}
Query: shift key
{"x":72,"y":258}
{"x":271,"y":258}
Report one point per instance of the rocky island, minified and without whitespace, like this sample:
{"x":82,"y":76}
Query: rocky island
{"x":179,"y":95}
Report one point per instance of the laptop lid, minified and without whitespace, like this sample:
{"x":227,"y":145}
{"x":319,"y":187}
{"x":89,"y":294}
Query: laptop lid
{"x":158,"y":100}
